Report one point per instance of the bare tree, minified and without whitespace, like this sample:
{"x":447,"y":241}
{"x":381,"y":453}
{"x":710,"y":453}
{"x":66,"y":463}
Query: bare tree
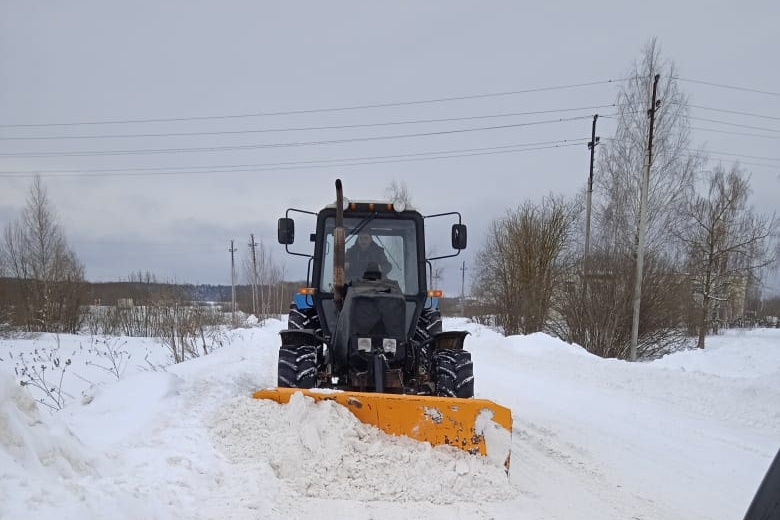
{"x":597,"y":316}
{"x":271,"y":298}
{"x":50,"y":277}
{"x":617,"y":208}
{"x":398,"y":190}
{"x":726,"y":243}
{"x":6,"y":305}
{"x":518,"y":268}
{"x":623,"y":158}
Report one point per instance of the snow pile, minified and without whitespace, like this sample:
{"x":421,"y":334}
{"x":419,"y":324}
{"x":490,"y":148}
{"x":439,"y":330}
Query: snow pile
{"x":85,"y":362}
{"x":35,"y":441}
{"x":46,"y":468}
{"x":737,"y":354}
{"x":323,"y":451}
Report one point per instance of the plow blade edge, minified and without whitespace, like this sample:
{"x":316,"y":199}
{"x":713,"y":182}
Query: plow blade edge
{"x":478,"y":426}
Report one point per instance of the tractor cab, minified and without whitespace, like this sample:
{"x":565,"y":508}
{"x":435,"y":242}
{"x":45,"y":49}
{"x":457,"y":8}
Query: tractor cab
{"x":398,"y":231}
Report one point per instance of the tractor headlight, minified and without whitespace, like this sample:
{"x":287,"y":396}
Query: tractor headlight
{"x":389,"y":345}
{"x":364,"y":344}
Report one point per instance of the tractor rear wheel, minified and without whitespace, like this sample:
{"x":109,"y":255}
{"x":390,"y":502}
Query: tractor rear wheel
{"x":307,"y":318}
{"x":454,"y":373}
{"x":428,"y":325}
{"x":297,"y":366}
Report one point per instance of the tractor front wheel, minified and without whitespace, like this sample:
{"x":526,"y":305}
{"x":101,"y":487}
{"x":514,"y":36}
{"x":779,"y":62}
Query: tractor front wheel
{"x":454,"y":373}
{"x":297,"y":366}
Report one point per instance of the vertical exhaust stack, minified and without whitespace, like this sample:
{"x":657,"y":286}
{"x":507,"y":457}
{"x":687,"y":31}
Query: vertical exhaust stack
{"x":338,"y":249}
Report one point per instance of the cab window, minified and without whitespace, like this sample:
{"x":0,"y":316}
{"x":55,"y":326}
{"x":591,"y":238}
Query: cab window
{"x":397,"y":240}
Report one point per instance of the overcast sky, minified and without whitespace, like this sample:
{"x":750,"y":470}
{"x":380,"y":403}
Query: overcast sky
{"x":192,"y":67}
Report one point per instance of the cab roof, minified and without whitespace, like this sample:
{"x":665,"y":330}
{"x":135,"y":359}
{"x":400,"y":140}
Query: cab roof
{"x":369,"y":205}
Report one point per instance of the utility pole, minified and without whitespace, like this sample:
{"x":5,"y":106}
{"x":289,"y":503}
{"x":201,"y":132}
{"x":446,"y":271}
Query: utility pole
{"x":253,"y":245}
{"x":463,"y":289}
{"x":233,"y":282}
{"x":640,"y":248}
{"x":435,"y":275}
{"x":592,"y":147}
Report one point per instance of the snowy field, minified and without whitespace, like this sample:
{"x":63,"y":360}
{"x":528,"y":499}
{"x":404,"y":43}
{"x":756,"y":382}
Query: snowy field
{"x":686,"y":437}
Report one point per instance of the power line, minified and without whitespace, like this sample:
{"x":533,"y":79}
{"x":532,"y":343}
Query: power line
{"x":735,"y":112}
{"x":346,"y":161}
{"x":737,"y":155}
{"x":747,"y":163}
{"x":745,"y":134}
{"x":321,"y":110}
{"x":305,"y":128}
{"x":283,"y":145}
{"x":259,"y":165}
{"x":699,"y":150}
{"x":302,"y":166}
{"x":730,"y":87}
{"x":763,"y":129}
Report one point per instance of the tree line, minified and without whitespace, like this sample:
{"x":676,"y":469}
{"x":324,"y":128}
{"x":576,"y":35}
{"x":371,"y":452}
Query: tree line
{"x":705,"y":251}
{"x":43,"y":287}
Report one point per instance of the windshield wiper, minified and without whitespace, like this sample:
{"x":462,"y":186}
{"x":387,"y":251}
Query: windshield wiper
{"x":363,"y":223}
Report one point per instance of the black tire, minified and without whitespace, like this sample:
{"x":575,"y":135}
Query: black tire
{"x":420,"y":367}
{"x":299,"y":319}
{"x":454,"y":373}
{"x":428,"y":325}
{"x":297,"y":366}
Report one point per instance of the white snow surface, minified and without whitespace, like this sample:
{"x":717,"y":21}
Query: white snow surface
{"x":687,"y":436}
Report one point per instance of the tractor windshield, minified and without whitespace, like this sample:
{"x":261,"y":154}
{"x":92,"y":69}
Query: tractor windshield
{"x":384,"y":246}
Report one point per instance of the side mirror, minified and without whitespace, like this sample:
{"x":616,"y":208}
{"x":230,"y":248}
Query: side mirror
{"x":285,"y":231}
{"x":459,"y":236}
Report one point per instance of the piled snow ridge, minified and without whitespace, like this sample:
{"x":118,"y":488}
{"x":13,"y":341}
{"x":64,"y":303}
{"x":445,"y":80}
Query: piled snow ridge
{"x":322,"y":450}
{"x":34,"y":440}
{"x":46,"y":472}
{"x":40,"y":459}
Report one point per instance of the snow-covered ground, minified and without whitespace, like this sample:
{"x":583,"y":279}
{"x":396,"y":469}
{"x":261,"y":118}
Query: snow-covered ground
{"x":688,"y":436}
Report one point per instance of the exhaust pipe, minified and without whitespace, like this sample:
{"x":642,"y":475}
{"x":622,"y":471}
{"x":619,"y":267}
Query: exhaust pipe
{"x":338,"y":249}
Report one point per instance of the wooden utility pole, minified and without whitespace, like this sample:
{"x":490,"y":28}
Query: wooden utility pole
{"x":253,"y":245}
{"x":233,"y":282}
{"x":592,"y":147}
{"x":640,"y":248}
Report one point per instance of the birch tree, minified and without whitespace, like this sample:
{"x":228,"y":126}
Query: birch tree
{"x":622,"y":160}
{"x":270,"y":296}
{"x":726,"y":242}
{"x":398,"y":190}
{"x":49,"y":275}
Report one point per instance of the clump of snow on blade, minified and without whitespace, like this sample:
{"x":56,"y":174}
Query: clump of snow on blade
{"x":498,"y":440}
{"x":434,"y":414}
{"x":324,"y":390}
{"x":322,"y":450}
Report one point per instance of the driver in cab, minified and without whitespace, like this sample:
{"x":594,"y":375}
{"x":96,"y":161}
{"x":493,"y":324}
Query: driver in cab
{"x":361,"y":254}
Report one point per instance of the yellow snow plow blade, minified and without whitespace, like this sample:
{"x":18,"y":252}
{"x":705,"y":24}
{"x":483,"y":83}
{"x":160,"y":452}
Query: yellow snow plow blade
{"x":474,"y":425}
